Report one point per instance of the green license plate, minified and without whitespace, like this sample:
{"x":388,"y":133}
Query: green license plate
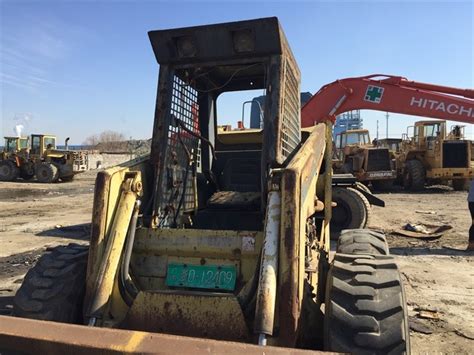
{"x":220,"y":277}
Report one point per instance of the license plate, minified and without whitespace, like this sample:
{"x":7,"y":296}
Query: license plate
{"x":220,"y":277}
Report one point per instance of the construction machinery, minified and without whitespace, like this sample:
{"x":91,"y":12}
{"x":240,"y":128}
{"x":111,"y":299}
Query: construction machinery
{"x":353,"y":200}
{"x":432,"y":155}
{"x":393,"y":144}
{"x":14,"y":144}
{"x":217,"y":237}
{"x":39,"y":157}
{"x":358,"y":155}
{"x":8,"y":157}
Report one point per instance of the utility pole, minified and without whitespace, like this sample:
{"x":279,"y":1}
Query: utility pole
{"x":377,"y":130}
{"x":386,"y":126}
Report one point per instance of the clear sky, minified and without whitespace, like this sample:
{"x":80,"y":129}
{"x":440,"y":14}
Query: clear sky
{"x":78,"y":68}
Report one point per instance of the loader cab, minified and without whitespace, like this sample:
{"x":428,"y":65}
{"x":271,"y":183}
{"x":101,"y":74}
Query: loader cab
{"x":41,"y":142}
{"x":441,"y":150}
{"x":352,"y":137}
{"x":208,"y":178}
{"x":15,"y":144}
{"x":393,"y":144}
{"x":427,"y":133}
{"x":347,"y":141}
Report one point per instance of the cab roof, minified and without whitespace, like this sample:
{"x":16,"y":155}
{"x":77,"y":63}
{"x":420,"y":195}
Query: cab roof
{"x":251,"y":38}
{"x":427,"y":122}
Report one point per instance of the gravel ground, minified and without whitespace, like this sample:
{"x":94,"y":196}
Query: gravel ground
{"x":438,"y":274}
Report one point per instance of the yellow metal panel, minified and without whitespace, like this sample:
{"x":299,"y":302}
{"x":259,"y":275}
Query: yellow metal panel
{"x":106,"y":197}
{"x":110,"y":262}
{"x":154,"y":248}
{"x":449,"y":173}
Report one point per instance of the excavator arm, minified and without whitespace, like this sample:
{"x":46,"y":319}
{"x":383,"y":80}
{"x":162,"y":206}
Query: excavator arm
{"x":391,"y":94}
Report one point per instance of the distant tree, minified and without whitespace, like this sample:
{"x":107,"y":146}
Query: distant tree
{"x":106,"y":141}
{"x":110,"y":137}
{"x":91,"y":141}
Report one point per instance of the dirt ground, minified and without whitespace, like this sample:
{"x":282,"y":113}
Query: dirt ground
{"x":438,"y":274}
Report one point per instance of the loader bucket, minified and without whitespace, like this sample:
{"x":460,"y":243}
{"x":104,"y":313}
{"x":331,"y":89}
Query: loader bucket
{"x":27,"y":336}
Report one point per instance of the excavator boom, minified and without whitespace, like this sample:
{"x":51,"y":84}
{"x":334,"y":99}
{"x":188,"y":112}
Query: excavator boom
{"x":388,"y":93}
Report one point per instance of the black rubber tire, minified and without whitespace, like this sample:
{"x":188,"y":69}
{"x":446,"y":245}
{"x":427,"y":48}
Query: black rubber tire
{"x":460,"y":185}
{"x":67,"y":178}
{"x":414,"y":175}
{"x":365,"y":310}
{"x":367,"y":206}
{"x":362,"y":241}
{"x":54,"y":288}
{"x":349,"y":213}
{"x":47,"y":173}
{"x":8,"y":171}
{"x":382,"y":185}
{"x":26,"y":176}
{"x":27,"y":170}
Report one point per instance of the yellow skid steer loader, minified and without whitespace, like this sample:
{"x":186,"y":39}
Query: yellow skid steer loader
{"x":214,"y":237}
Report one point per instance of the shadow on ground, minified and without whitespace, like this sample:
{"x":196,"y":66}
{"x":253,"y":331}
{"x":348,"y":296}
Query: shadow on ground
{"x":435,"y":189}
{"x":6,"y":305}
{"x":447,"y":251}
{"x":78,"y":231}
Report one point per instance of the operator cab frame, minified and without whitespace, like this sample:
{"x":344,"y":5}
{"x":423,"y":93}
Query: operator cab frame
{"x":42,"y":142}
{"x":15,"y":144}
{"x":201,"y":177}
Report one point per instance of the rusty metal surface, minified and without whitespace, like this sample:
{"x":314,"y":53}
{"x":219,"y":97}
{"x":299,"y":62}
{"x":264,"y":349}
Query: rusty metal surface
{"x":201,"y":314}
{"x":298,"y":203}
{"x":28,"y":336}
{"x":99,"y":214}
{"x":262,"y":36}
{"x":110,"y":260}
{"x":289,"y":302}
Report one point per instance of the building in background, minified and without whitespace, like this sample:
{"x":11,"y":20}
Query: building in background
{"x":346,"y":121}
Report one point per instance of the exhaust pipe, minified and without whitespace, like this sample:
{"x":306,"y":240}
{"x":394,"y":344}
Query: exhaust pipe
{"x":66,"y":143}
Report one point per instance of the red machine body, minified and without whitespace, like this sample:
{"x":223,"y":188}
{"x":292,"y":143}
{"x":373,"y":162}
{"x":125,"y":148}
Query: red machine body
{"x":391,"y":94}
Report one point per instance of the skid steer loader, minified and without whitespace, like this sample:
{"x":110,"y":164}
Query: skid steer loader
{"x":217,"y":239}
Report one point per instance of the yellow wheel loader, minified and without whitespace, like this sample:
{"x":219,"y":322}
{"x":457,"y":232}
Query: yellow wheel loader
{"x":431,"y":155}
{"x":9,"y":159}
{"x":369,"y":163}
{"x":216,"y":237}
{"x":39,"y":157}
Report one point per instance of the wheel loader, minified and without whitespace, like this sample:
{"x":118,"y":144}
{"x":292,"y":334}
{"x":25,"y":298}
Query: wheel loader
{"x":432,"y":155}
{"x":222,"y":239}
{"x":42,"y":159}
{"x":369,"y":163}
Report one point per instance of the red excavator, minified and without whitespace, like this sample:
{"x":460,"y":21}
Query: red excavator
{"x":391,"y":94}
{"x":430,"y":155}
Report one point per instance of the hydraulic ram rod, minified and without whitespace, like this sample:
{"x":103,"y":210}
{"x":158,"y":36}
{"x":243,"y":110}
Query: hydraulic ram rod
{"x":267,"y":285}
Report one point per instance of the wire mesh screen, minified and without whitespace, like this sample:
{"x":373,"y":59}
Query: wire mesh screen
{"x":182,"y":149}
{"x":290,"y":124}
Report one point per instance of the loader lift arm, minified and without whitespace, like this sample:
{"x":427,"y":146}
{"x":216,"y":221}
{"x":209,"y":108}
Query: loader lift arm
{"x":391,"y":94}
